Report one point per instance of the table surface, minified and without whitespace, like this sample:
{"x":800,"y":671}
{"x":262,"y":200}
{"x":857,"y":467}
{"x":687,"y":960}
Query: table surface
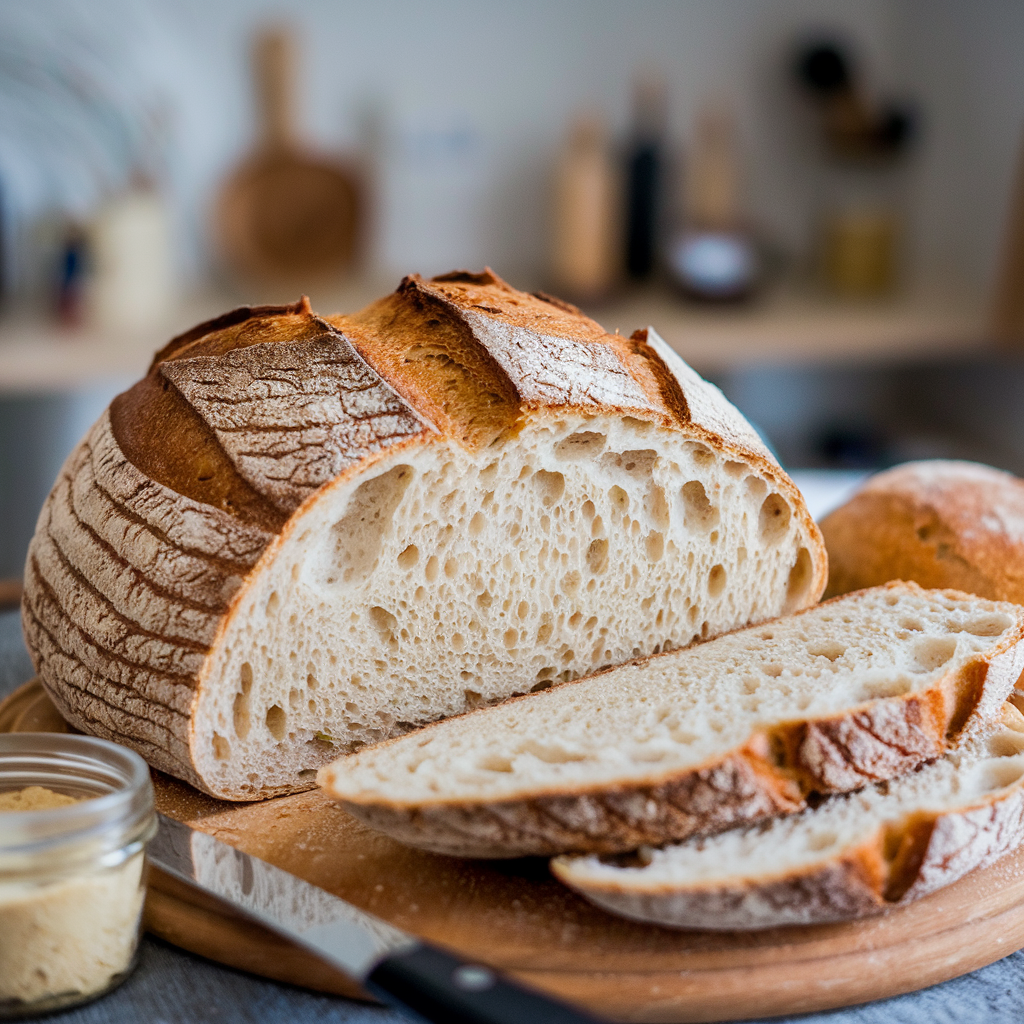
{"x":171,"y":986}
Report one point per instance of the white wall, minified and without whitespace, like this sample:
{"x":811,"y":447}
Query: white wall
{"x":966,"y":62}
{"x":469,"y":101}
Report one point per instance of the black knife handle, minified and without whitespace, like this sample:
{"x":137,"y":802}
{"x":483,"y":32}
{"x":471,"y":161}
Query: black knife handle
{"x":441,"y":988}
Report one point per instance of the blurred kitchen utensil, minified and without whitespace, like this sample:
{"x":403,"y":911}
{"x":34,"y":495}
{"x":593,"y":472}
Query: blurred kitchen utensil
{"x":419,"y":978}
{"x":286,"y":213}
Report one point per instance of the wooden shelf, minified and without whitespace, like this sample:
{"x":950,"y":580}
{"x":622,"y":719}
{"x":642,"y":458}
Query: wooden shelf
{"x":791,"y":326}
{"x":786,"y":326}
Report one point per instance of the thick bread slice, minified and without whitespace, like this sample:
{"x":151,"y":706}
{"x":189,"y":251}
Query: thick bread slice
{"x":858,"y":689}
{"x":852,"y":856}
{"x":938,"y":522}
{"x":296,"y":536}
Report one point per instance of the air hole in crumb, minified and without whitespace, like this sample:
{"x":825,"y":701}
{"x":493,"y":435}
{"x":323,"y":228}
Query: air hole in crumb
{"x":432,"y":568}
{"x":245,"y":674}
{"x":698,"y":513}
{"x":409,"y":557}
{"x":932,"y":652}
{"x":736,"y":469}
{"x":473,"y":699}
{"x":772,"y":669}
{"x":240,"y":714}
{"x":988,"y":625}
{"x":716,"y":580}
{"x":584,"y":445}
{"x":619,"y":499}
{"x":773,"y":519}
{"x":551,"y":486}
{"x":221,"y":747}
{"x":477,"y":524}
{"x":756,"y":487}
{"x":830,"y":649}
{"x":383,"y":621}
{"x":511,"y":638}
{"x":273,"y":603}
{"x":799,"y":581}
{"x":358,"y":535}
{"x":276,"y":721}
{"x":597,"y":556}
{"x":887,"y":688}
{"x":661,"y":514}
{"x":655,"y":545}
{"x":912,"y":624}
{"x":495,"y":763}
{"x":701,"y":455}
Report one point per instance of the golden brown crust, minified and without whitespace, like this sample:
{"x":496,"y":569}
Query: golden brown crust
{"x":908,"y":857}
{"x":741,"y":788}
{"x":941,"y":524}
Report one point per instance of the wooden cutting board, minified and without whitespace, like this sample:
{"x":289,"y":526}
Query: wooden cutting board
{"x":515,"y":916}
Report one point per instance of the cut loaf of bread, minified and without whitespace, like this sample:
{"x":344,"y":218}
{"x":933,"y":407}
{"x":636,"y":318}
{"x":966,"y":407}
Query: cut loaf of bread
{"x":852,"y":856}
{"x":298,"y":535}
{"x":858,"y":689}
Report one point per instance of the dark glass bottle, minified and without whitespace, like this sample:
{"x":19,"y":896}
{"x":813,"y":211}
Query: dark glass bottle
{"x":644,"y":178}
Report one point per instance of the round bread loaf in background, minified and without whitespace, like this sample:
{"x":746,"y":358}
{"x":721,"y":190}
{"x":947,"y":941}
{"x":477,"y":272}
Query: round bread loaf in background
{"x":939,"y":523}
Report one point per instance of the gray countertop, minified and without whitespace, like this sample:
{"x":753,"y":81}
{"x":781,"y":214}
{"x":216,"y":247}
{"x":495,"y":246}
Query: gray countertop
{"x":171,"y":986}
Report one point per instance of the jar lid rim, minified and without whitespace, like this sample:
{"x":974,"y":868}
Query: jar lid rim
{"x":121,"y":779}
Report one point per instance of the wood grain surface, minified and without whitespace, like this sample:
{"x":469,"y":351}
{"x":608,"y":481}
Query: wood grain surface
{"x":515,"y":916}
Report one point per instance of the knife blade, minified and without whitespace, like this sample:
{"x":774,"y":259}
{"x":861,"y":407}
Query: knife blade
{"x":420,"y":979}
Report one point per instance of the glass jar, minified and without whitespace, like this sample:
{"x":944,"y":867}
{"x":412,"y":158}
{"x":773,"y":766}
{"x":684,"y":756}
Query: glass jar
{"x":72,"y":878}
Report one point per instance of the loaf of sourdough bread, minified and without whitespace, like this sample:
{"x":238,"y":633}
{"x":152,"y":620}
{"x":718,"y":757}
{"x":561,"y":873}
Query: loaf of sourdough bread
{"x":850,"y":857}
{"x":938,"y":522}
{"x":859,"y":689}
{"x":297,"y":535}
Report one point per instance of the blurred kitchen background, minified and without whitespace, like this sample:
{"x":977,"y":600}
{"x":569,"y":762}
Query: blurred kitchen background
{"x":818,"y":203}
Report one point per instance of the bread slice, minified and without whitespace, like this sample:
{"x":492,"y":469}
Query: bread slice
{"x":858,"y":689}
{"x":854,"y":855}
{"x":297,"y":536}
{"x":941,"y":523}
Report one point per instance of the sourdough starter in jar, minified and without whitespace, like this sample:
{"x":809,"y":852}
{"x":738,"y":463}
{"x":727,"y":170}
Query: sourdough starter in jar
{"x":75,"y":815}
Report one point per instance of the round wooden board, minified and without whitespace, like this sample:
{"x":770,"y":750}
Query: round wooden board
{"x":515,"y":916}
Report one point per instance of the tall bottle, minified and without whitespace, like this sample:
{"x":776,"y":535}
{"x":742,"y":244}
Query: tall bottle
{"x":586,"y":238}
{"x":645,"y":160}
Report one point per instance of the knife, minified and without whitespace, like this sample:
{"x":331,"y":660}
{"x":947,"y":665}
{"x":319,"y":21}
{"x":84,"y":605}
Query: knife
{"x":424,"y":981}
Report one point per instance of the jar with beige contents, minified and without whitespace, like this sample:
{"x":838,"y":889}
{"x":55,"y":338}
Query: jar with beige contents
{"x":75,"y":816}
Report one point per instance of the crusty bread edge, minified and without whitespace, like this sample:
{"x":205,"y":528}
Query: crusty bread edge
{"x":899,"y":863}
